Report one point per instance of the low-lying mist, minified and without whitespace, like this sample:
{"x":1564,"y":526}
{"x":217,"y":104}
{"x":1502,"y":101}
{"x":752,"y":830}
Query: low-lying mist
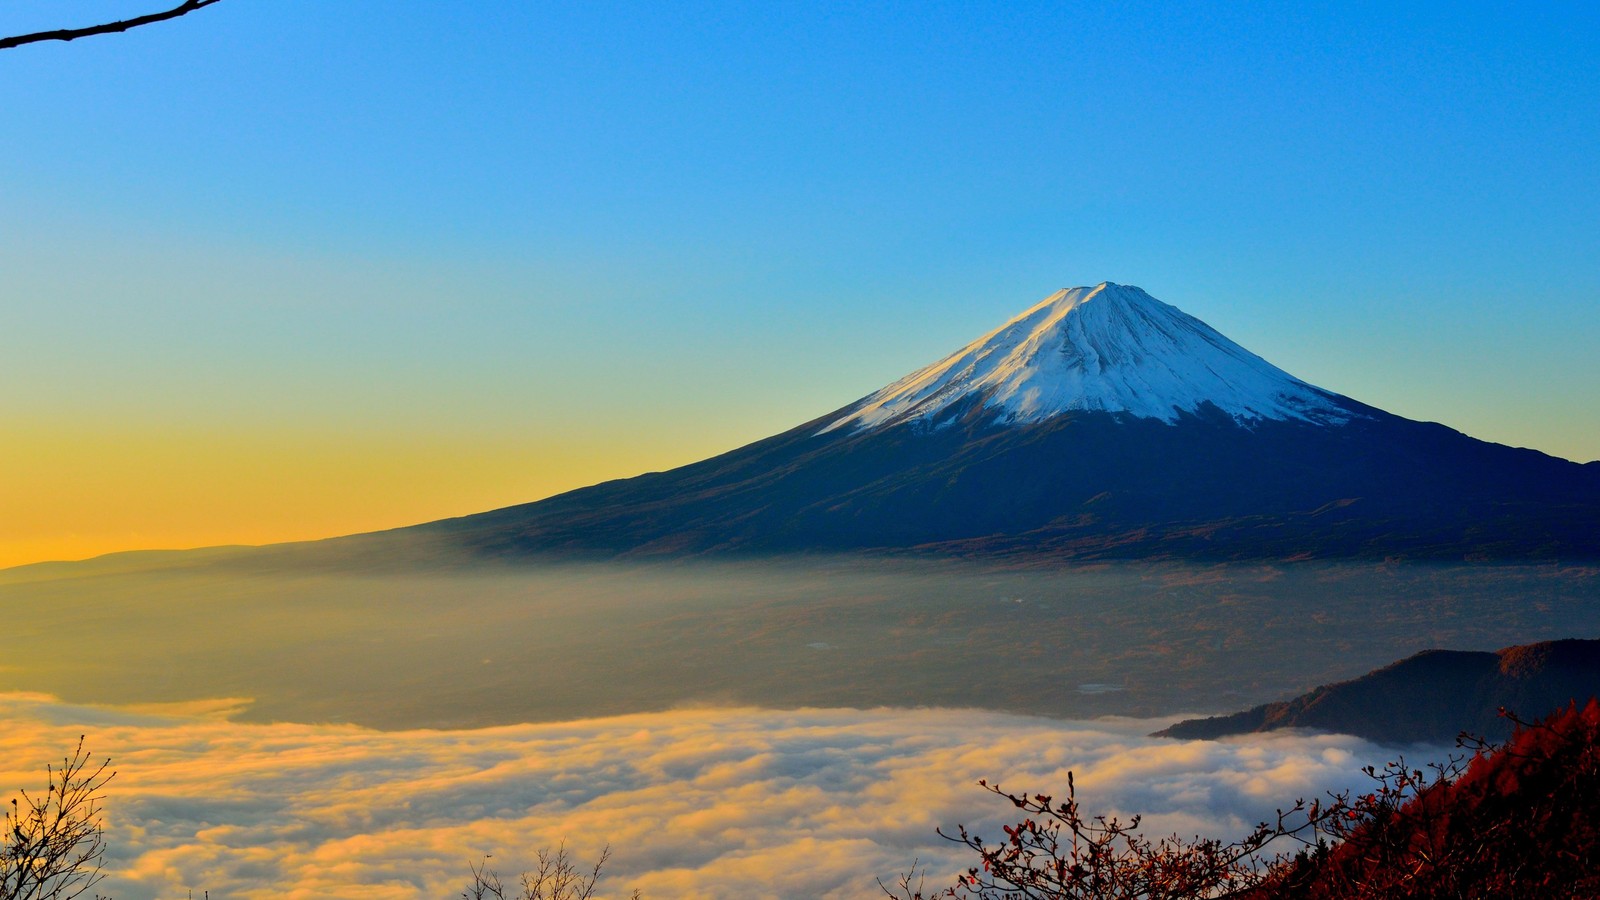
{"x":442,"y":646}
{"x":726,"y":803}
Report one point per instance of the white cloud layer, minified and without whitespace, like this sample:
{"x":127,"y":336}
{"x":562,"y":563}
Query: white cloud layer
{"x":717,"y":803}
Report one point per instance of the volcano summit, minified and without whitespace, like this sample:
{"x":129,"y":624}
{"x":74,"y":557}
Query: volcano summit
{"x":1099,"y":423}
{"x":1108,"y":348}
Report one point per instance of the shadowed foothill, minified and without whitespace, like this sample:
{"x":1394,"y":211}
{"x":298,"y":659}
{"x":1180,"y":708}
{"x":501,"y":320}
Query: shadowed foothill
{"x":1429,"y":697}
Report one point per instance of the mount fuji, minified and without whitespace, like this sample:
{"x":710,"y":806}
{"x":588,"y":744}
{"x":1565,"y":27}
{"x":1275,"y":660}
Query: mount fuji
{"x":1109,"y":348}
{"x":1100,"y":423}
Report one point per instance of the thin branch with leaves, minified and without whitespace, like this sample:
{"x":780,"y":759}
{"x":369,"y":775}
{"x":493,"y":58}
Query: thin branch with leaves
{"x":1059,"y":852}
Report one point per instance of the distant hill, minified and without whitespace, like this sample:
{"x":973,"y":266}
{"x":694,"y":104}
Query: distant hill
{"x":1429,"y":697}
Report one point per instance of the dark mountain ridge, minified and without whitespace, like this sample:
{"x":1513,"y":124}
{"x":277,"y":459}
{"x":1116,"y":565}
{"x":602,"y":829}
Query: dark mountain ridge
{"x":1430,"y":697}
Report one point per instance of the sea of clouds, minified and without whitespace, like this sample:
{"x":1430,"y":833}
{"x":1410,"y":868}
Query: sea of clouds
{"x":716,"y":803}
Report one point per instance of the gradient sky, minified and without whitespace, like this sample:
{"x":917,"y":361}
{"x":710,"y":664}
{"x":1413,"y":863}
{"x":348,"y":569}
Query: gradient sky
{"x":292,"y":269}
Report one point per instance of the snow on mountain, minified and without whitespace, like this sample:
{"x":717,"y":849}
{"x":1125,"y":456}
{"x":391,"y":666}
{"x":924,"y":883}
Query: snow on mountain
{"x":1112,"y":348}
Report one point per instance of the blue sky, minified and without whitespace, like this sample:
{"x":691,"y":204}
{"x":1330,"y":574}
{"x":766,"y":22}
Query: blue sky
{"x":523,"y":247}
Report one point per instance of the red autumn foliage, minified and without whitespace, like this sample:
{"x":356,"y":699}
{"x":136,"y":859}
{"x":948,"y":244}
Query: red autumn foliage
{"x":1518,"y":821}
{"x":1522,"y":821}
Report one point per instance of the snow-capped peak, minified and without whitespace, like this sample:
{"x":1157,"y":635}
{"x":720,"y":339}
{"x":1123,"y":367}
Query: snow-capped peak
{"x":1112,"y":348}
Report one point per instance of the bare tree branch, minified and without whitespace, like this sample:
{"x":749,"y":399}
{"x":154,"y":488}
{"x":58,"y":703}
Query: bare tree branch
{"x":70,"y":34}
{"x":53,"y":843}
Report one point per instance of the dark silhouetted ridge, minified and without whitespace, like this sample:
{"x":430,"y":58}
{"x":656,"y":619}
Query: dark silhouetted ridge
{"x":1430,"y":697}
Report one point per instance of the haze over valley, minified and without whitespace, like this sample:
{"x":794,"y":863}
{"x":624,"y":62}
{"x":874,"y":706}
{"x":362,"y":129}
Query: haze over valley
{"x":540,"y":643}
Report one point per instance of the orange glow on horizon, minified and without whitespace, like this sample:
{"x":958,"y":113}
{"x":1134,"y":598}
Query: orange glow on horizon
{"x":78,"y":494}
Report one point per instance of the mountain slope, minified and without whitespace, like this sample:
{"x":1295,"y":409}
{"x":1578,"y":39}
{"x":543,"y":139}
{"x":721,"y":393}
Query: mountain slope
{"x":1522,"y":820}
{"x":1099,"y":423}
{"x":1432,"y":696}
